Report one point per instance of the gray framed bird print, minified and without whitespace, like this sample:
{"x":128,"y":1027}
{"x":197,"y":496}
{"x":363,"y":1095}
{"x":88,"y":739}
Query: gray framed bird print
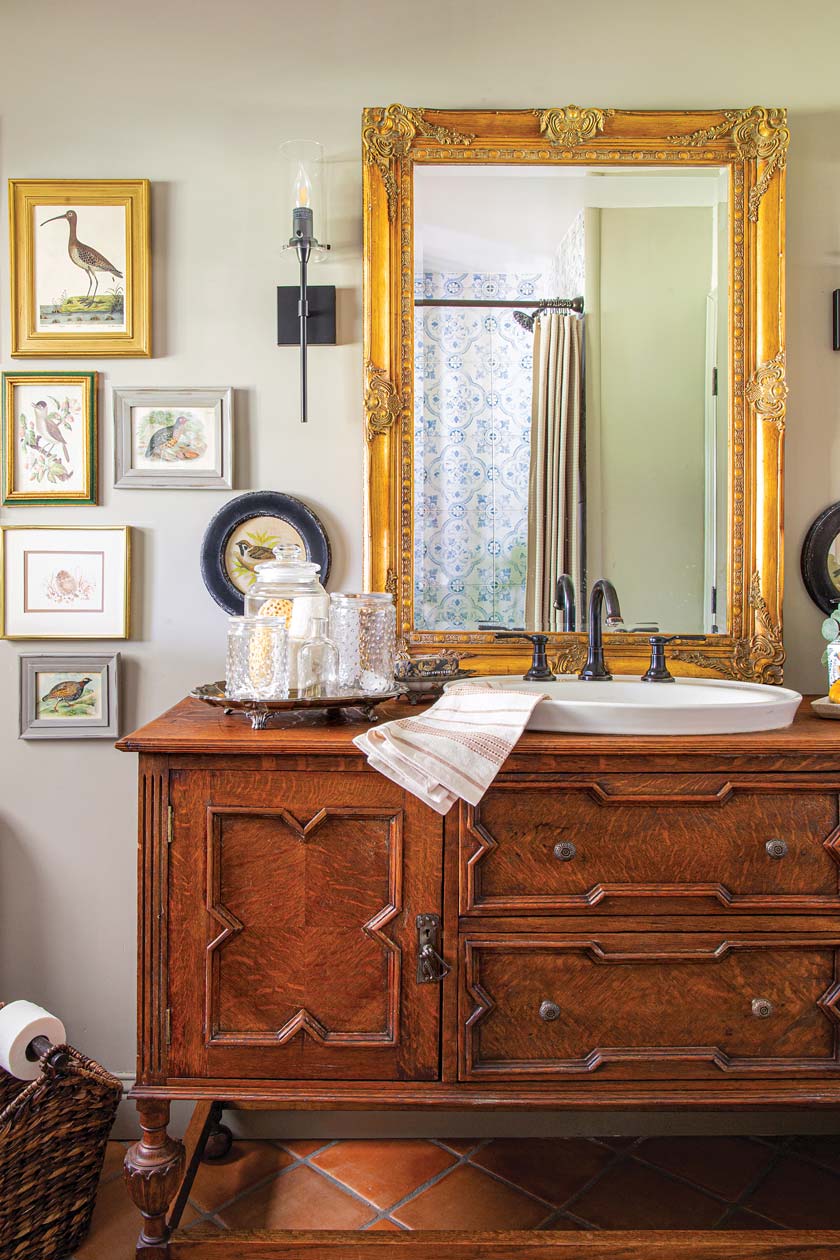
{"x":69,"y":696}
{"x":173,"y":438}
{"x":80,"y":268}
{"x":49,"y":443}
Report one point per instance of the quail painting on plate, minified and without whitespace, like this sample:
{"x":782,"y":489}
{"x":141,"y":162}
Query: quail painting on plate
{"x":49,"y":438}
{"x":80,"y":267}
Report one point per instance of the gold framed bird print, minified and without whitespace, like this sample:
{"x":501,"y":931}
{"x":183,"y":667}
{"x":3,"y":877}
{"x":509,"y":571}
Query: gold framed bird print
{"x":80,"y":268}
{"x":49,"y":441}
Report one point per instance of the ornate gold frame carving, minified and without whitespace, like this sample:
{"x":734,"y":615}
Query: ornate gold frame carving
{"x":767,"y":391}
{"x":382,"y":402}
{"x":752,"y":143}
{"x":571,"y":125}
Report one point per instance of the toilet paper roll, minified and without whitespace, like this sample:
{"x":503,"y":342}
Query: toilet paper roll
{"x":20,"y":1023}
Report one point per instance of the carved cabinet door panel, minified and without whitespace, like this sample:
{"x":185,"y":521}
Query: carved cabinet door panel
{"x":652,"y":1005}
{"x":291,"y":927}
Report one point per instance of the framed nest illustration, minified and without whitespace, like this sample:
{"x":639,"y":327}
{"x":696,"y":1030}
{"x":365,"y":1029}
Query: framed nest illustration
{"x":64,"y":582}
{"x":49,"y":438}
{"x":173,"y":439}
{"x":80,"y":268}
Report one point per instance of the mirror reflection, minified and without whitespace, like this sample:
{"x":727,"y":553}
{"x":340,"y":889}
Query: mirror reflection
{"x":571,"y":412}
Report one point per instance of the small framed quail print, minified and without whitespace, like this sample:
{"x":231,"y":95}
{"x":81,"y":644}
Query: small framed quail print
{"x":69,"y":697}
{"x":49,"y":438}
{"x":169,"y":439}
{"x":81,"y":268}
{"x":64,"y":582}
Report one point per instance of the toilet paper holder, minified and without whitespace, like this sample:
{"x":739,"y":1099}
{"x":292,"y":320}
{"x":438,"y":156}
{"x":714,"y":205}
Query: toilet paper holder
{"x":42,"y":1047}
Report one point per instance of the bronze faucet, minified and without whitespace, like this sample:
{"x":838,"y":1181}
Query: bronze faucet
{"x":603,"y":592}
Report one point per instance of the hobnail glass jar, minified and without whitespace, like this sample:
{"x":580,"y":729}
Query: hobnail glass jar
{"x":288,"y":588}
{"x":364,"y":629}
{"x":257,"y":659}
{"x":318,"y":663}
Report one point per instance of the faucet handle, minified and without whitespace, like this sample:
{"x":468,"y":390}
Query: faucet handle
{"x":539,"y":671}
{"x":657,"y":670}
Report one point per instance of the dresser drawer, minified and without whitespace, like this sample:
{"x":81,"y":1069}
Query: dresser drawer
{"x":648,"y":1006}
{"x":668,"y":844}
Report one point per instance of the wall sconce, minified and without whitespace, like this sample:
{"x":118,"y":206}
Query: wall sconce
{"x":305,"y":314}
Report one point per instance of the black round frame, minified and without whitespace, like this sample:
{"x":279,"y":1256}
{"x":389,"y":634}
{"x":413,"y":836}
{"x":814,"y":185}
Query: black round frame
{"x":241,"y":509}
{"x":814,"y":559}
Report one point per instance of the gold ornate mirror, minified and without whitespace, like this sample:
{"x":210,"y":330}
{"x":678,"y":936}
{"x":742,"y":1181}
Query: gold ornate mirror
{"x":574,"y":368}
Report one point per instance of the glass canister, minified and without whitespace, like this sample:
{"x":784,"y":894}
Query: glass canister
{"x":257,"y":659}
{"x":364,"y":629}
{"x":288,"y":588}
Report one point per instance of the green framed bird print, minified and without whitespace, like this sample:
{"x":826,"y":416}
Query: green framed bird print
{"x":49,"y":443}
{"x":80,"y":267}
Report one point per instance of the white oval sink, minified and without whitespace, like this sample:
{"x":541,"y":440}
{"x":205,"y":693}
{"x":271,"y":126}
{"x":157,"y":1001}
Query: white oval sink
{"x":627,"y":706}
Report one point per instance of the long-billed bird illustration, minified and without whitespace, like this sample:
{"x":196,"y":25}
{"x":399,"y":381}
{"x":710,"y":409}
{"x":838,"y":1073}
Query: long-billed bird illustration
{"x":48,"y":429}
{"x":165,"y":438}
{"x":66,"y":692}
{"x":85,"y":256}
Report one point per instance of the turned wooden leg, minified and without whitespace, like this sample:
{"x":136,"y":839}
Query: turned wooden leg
{"x":153,"y":1170}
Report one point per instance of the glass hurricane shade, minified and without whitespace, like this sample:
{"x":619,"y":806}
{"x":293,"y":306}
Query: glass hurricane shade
{"x":301,"y":165}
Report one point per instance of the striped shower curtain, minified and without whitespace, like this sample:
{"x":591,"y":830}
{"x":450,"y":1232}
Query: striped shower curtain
{"x":554,"y":487}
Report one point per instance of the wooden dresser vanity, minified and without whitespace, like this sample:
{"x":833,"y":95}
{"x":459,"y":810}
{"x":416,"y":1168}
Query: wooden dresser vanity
{"x":623,"y":923}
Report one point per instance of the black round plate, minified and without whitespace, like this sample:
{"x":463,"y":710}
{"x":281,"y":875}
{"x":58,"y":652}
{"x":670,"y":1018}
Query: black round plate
{"x":239,"y":511}
{"x":814,"y":559}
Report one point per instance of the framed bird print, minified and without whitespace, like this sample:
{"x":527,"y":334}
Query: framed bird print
{"x":64,"y":582}
{"x":80,"y":268}
{"x":49,"y":438}
{"x":69,"y":696}
{"x":173,"y":439}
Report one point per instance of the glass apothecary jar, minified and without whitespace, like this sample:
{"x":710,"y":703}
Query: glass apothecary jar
{"x":257,"y":659}
{"x":288,"y":588}
{"x":364,"y":629}
{"x":318,"y":663}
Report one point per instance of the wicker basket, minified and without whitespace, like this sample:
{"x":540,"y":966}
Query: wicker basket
{"x":53,"y":1133}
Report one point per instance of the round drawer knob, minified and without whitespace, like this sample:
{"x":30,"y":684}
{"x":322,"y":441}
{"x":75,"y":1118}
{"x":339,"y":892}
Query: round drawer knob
{"x":761,"y":1008}
{"x":776,"y":848}
{"x":549,"y":1011}
{"x":564,"y":851}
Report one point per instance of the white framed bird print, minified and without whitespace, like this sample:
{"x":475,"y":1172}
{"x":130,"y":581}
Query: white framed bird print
{"x":167,"y":439}
{"x":64,"y":581}
{"x":80,"y":268}
{"x":49,"y":442}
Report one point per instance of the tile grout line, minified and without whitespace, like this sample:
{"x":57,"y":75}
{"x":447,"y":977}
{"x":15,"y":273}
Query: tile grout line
{"x":742,"y":1202}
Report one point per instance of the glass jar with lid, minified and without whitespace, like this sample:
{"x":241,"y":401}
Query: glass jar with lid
{"x":287,"y":587}
{"x":364,"y":629}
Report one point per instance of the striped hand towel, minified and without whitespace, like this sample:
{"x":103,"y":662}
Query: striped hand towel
{"x":456,"y":748}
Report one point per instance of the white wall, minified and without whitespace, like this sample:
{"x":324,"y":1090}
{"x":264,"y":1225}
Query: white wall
{"x":196,"y":96}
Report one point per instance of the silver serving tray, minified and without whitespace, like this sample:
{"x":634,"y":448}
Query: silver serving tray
{"x":261,"y":711}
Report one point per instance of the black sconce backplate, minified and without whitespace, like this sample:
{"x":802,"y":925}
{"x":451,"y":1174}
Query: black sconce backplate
{"x":320,"y":329}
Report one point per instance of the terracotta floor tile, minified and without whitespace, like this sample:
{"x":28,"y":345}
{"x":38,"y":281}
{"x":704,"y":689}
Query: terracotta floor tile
{"x":551,"y":1168}
{"x":824,"y":1148}
{"x":461,"y":1145}
{"x":469,"y":1199}
{"x":303,"y":1147}
{"x":748,"y":1220}
{"x":799,"y":1195}
{"x":247,"y":1163}
{"x":299,"y":1199}
{"x":725,"y":1165}
{"x":114,"y":1157}
{"x":384,"y":1172}
{"x":385,"y":1225}
{"x":115,"y":1226}
{"x":631,"y":1196}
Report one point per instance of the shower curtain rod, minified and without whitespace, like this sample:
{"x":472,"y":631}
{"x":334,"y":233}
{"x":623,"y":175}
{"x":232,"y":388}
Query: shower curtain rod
{"x":569,"y":304}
